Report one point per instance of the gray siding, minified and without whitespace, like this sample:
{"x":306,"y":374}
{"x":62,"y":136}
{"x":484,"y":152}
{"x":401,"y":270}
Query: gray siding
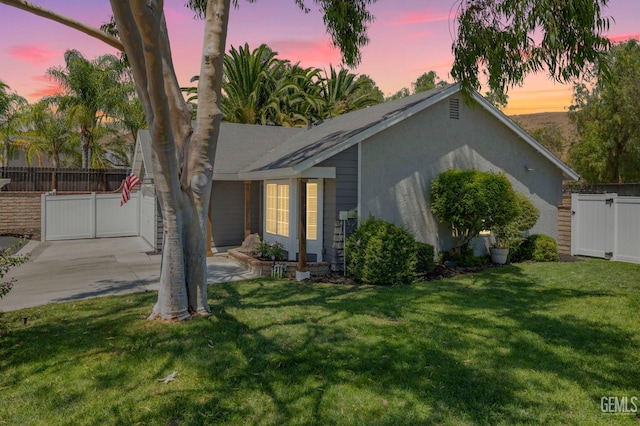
{"x":340,"y":193}
{"x":256,"y":207}
{"x":399,"y":164}
{"x":227,"y":213}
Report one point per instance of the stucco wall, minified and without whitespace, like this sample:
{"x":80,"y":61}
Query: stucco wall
{"x":19,"y":211}
{"x":399,"y":164}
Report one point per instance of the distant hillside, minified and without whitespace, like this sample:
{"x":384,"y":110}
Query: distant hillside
{"x":531,"y":122}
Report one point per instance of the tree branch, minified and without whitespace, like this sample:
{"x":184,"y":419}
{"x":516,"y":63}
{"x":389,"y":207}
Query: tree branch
{"x":64,"y":20}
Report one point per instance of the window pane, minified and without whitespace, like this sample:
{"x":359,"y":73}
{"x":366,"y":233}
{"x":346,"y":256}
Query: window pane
{"x":271,"y":208}
{"x":312,"y":211}
{"x":283,"y":210}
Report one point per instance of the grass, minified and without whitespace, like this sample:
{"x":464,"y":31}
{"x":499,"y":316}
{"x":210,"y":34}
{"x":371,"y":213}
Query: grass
{"x":525,"y":344}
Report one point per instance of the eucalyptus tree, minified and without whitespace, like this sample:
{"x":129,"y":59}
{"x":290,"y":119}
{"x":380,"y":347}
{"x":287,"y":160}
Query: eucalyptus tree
{"x":89,"y":94}
{"x":12,"y":107}
{"x":606,"y":111}
{"x":504,"y":41}
{"x":184,"y":152}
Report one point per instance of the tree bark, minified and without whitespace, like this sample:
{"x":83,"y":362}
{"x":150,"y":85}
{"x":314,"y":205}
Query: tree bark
{"x":69,"y":22}
{"x":183,"y":155}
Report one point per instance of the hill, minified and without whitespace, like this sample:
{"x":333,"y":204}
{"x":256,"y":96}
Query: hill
{"x":559,"y":120}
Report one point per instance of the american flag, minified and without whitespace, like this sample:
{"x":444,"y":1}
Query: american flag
{"x":129,"y":183}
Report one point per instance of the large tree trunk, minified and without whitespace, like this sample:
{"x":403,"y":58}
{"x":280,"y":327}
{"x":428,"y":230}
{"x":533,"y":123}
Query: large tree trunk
{"x":183,"y":155}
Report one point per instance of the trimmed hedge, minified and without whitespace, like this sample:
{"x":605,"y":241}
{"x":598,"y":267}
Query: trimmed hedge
{"x":539,"y":248}
{"x":379,"y":252}
{"x":425,"y":257}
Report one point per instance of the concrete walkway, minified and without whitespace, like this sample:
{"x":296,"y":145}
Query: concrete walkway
{"x":59,"y":271}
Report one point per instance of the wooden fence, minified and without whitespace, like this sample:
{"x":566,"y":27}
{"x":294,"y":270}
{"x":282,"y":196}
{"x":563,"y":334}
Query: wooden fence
{"x":44,"y":179}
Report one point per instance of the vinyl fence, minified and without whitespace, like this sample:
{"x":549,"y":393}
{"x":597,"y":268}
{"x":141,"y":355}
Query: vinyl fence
{"x":606,"y":226}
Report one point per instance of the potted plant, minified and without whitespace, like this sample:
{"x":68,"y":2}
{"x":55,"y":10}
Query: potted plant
{"x":500,"y":248}
{"x":508,"y":236}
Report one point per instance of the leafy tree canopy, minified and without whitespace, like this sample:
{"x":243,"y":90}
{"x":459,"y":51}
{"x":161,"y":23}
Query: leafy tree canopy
{"x":606,"y":111}
{"x":346,"y":22}
{"x":506,"y":40}
{"x":471,"y":201}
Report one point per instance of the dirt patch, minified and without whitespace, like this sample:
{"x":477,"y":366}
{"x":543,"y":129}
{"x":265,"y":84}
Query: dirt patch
{"x":563,"y":257}
{"x":26,"y":234}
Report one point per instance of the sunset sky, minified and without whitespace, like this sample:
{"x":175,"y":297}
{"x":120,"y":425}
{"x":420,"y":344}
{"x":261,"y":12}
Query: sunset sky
{"x":408,"y":38}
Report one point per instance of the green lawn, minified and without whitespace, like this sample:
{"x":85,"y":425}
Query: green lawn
{"x":524,"y":344}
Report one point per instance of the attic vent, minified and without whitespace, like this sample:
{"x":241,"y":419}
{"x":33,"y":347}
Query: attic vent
{"x":454,"y":109}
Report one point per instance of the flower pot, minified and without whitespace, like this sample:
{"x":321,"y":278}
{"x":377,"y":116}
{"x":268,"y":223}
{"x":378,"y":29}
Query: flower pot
{"x":499,"y":255}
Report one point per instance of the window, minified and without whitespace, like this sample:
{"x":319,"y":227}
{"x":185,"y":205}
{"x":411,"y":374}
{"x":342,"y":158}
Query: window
{"x":277,"y":211}
{"x":283,"y":210}
{"x":272,"y":195}
{"x":312,"y":211}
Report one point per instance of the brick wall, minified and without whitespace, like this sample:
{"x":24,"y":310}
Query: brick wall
{"x":564,"y":225}
{"x":19,"y":211}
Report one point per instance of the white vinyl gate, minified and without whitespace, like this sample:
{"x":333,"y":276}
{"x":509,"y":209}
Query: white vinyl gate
{"x":68,"y":217}
{"x":606,"y":226}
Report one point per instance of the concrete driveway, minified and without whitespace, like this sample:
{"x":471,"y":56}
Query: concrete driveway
{"x":59,"y":271}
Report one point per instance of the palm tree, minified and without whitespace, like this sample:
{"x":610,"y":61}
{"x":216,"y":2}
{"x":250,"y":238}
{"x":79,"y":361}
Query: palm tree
{"x":129,"y":118}
{"x":296,"y":97}
{"x":248,"y":82}
{"x":90,"y":94}
{"x":48,"y":136}
{"x":259,"y":88}
{"x":342,"y":92}
{"x":11,"y":108}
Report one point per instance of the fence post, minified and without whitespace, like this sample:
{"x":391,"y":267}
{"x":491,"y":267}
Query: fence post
{"x":94,"y":213}
{"x":43,"y":217}
{"x":138,"y":195}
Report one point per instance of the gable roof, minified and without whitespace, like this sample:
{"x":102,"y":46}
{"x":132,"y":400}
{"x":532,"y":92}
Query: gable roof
{"x":310,"y":147}
{"x":257,"y":152}
{"x":336,"y":134}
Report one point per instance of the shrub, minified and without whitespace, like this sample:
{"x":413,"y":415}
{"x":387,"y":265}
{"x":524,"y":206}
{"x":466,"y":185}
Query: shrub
{"x":268,"y":251}
{"x":7,"y":261}
{"x":471,"y":201}
{"x":465,"y":259}
{"x":424,"y":254}
{"x":540,"y":248}
{"x":379,"y":252}
{"x":511,"y":235}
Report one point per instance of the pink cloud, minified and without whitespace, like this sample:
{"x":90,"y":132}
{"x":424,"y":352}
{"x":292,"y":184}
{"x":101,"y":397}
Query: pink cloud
{"x":421,"y":35}
{"x":421,"y":17}
{"x":34,"y":54}
{"x":45,"y":86}
{"x":308,"y":53}
{"x":616,"y":38}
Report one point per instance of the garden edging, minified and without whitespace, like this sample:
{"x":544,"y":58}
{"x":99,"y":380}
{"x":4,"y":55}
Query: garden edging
{"x":262,"y":268}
